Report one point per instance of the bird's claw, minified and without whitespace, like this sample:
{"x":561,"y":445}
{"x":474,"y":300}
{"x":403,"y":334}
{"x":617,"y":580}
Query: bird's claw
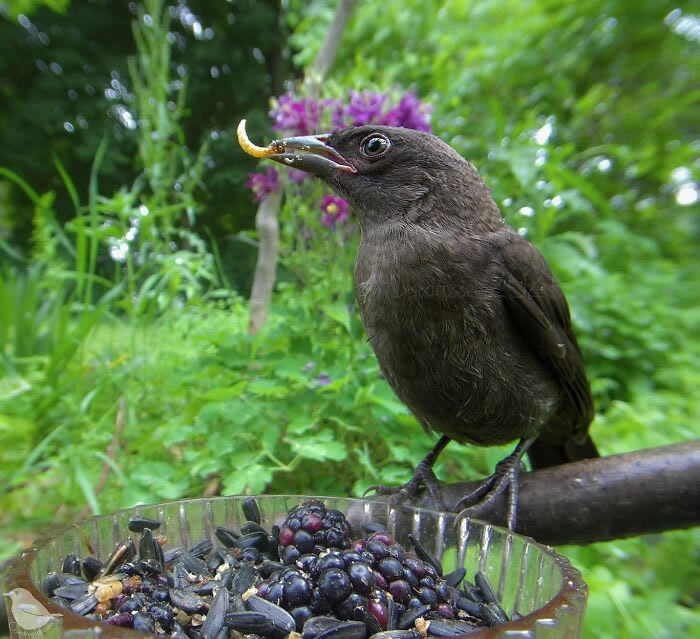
{"x":505,"y":477}
{"x":423,"y":476}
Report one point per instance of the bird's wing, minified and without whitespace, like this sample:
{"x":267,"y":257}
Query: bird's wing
{"x":539,"y":309}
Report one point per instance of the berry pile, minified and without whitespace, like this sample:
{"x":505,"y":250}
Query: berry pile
{"x":311,"y":576}
{"x":365,"y":580}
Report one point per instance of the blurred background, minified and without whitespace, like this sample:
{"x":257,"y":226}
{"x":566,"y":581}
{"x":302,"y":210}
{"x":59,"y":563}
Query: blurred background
{"x":129,"y":369}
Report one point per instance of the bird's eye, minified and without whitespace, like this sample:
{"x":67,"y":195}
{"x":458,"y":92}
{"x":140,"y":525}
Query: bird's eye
{"x":375,"y":145}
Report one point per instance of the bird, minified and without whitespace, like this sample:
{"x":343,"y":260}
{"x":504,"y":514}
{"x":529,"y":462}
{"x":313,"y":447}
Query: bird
{"x":469,"y":326}
{"x":28,"y":612}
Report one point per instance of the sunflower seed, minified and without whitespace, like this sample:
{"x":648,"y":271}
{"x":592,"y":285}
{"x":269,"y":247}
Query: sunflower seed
{"x":251,"y":510}
{"x":215,"y":617}
{"x":137,"y":523}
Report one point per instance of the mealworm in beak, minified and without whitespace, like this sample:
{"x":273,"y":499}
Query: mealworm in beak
{"x":249,"y":147}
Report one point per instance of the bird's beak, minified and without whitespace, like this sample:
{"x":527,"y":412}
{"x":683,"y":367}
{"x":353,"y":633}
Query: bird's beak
{"x":310,"y":153}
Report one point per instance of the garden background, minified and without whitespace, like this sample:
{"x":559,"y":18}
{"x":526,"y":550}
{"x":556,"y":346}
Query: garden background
{"x":128,"y":245}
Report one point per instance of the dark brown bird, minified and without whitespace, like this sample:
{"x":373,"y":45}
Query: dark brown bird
{"x":469,"y":326}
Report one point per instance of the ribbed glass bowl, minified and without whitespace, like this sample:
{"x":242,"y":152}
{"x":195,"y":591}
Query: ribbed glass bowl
{"x":529,"y":578}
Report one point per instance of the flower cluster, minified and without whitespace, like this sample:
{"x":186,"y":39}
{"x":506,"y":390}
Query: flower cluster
{"x":334,"y":209}
{"x":263,"y":183}
{"x":303,"y":116}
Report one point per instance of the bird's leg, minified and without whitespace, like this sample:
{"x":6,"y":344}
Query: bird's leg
{"x":505,"y":477}
{"x":423,"y":475}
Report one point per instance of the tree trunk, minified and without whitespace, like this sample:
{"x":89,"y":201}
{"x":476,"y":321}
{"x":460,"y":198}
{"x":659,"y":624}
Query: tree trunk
{"x":265,"y":269}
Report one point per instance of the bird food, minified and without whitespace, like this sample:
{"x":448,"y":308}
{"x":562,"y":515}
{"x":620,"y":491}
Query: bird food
{"x":311,"y":578}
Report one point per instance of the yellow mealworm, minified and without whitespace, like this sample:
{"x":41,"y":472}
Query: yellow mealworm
{"x":248,"y":146}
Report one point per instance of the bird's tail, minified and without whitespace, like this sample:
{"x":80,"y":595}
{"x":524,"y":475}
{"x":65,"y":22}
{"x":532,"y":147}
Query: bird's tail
{"x":543,"y":454}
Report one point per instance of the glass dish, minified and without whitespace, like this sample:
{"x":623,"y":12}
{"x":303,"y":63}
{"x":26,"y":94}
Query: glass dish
{"x":529,"y":578}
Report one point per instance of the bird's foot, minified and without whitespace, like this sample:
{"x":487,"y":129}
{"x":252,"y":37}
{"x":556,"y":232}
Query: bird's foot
{"x":422,"y":476}
{"x":506,"y":477}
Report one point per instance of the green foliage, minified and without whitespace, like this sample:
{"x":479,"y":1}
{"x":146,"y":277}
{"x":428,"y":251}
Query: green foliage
{"x":117,"y":331}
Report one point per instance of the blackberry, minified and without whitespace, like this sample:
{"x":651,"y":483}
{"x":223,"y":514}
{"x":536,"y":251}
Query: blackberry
{"x":312,"y":528}
{"x":362,"y":581}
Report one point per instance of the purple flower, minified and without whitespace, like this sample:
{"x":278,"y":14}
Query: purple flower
{"x":295,"y":116}
{"x":296,"y":176}
{"x":334,"y":209}
{"x":323,"y":379}
{"x":409,"y":113}
{"x":263,"y":183}
{"x":365,"y":108}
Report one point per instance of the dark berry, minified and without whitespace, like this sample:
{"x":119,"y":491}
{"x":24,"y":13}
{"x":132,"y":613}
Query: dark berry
{"x":303,"y":541}
{"x":427,"y":596}
{"x":297,"y":592}
{"x":301,"y":615}
{"x":361,"y":577}
{"x":163,"y":615}
{"x":293,"y":523}
{"x":335,"y":539}
{"x":331,"y":560}
{"x":121,"y":619}
{"x":396,"y":551}
{"x":348,"y":608}
{"x":391,"y":568}
{"x":379,"y":580}
{"x":318,"y":604}
{"x":334,"y":585}
{"x":442,"y":590}
{"x":415,"y":565}
{"x":290,"y":554}
{"x":275,"y":593}
{"x":311,"y":522}
{"x":357,"y":545}
{"x":378,"y":549}
{"x":132,"y":605}
{"x":410,"y":578}
{"x":380,"y":612}
{"x":307,"y":562}
{"x":414,"y":602}
{"x":428,"y":582}
{"x":446,"y":610}
{"x":400,"y":590}
{"x":286,"y":535}
{"x":380,"y":596}
{"x":349,"y":556}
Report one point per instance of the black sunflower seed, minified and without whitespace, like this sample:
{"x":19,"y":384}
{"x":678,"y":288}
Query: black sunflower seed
{"x":251,"y":510}
{"x":282,"y":621}
{"x":71,"y":591}
{"x":450,"y":628}
{"x":408,"y":618}
{"x":71,"y":564}
{"x":252,"y":540}
{"x":316,"y":625}
{"x":91,"y":567}
{"x":454,"y":578}
{"x":226,"y":536}
{"x":186,"y":600}
{"x":345,"y":630}
{"x":137,"y":523}
{"x":51,"y":582}
{"x":83,"y":605}
{"x":215,"y":617}
{"x":202,"y":549}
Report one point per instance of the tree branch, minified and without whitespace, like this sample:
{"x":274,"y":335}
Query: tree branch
{"x":646,"y":491}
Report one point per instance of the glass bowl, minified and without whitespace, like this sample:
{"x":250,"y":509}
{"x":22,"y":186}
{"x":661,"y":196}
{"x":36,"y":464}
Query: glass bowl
{"x":530,"y":579}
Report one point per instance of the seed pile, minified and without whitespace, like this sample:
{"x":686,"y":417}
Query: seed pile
{"x":311,"y":576}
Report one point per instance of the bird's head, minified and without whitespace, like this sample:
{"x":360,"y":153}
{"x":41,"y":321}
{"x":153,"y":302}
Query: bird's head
{"x":391,"y":174}
{"x":14,"y":593}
